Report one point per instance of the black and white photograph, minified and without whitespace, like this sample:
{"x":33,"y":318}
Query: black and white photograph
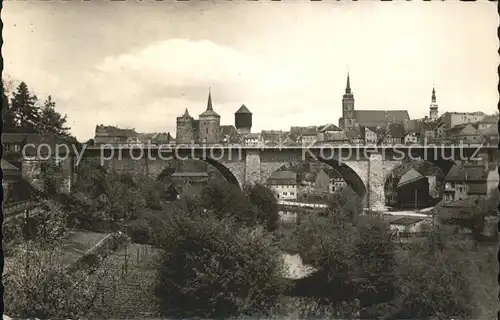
{"x":216,"y":159}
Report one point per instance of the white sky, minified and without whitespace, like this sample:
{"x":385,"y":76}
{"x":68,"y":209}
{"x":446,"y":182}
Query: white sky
{"x":138,"y":65}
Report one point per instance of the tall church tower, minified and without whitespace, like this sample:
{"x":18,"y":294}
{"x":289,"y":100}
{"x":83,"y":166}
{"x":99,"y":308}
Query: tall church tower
{"x":209,"y":124}
{"x":433,"y":110}
{"x":348,"y":119}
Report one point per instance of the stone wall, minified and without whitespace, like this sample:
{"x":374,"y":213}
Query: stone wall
{"x":252,"y":167}
{"x":379,"y":170}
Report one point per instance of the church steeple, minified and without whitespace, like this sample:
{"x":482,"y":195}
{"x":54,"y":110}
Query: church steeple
{"x":433,"y":110}
{"x":348,"y":118}
{"x":209,"y":103}
{"x":348,"y":85}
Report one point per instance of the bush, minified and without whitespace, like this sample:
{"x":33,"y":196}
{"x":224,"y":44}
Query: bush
{"x":211,"y":270}
{"x":266,"y":205}
{"x":224,"y":200}
{"x":353,"y":260}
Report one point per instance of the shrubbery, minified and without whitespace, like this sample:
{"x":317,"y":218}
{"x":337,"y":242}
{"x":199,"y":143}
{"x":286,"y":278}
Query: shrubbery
{"x":39,"y":284}
{"x":212,"y":269}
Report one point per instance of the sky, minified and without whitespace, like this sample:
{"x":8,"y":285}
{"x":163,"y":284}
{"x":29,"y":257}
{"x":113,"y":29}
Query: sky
{"x":140,"y":64}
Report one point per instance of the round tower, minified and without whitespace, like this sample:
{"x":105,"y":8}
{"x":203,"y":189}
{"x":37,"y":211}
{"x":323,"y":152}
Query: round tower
{"x":209,"y":124}
{"x":243,"y":120}
{"x":184,"y":133}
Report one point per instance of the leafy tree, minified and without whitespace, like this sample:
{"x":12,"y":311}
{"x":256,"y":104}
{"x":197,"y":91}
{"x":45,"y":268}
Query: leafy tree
{"x":345,"y":203}
{"x":266,"y":205}
{"x":224,"y":200}
{"x":25,"y":109}
{"x":50,"y":120}
{"x":436,"y":280}
{"x":353,"y":259}
{"x":211,"y":268}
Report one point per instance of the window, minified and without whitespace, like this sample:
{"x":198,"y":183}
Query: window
{"x":285,"y":193}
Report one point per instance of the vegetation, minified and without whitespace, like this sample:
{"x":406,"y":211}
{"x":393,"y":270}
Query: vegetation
{"x":212,"y":268}
{"x":222,"y":256}
{"x":39,"y":284}
{"x":22,"y":112}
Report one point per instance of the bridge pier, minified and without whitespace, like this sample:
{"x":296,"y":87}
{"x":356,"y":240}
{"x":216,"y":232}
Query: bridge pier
{"x":379,"y":170}
{"x":252,"y":167}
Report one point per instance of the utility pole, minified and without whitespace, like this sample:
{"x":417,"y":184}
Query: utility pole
{"x":416,"y":195}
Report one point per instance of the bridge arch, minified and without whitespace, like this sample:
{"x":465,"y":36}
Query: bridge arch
{"x":350,"y":175}
{"x":164,"y":170}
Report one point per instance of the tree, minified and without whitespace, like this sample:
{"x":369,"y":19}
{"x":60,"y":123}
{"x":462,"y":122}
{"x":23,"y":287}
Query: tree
{"x":345,"y":204}
{"x":25,"y":109}
{"x":212,"y":268}
{"x":50,"y":120}
{"x":266,"y":205}
{"x":436,"y":280}
{"x":224,"y":200}
{"x":354,"y":260}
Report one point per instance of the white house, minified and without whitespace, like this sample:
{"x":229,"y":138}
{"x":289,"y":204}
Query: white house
{"x":284,"y":184}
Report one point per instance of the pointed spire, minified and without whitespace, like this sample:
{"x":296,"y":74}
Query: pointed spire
{"x":186,"y":113}
{"x":348,"y":85}
{"x":209,"y":103}
{"x":433,"y":95}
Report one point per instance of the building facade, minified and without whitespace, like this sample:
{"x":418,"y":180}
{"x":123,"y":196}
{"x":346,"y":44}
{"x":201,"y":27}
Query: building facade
{"x":284,"y":184}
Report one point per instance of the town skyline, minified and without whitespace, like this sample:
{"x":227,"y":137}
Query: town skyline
{"x":147,"y":82}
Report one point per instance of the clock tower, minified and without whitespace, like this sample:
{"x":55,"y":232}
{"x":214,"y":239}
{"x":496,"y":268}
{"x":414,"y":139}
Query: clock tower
{"x":348,"y":119}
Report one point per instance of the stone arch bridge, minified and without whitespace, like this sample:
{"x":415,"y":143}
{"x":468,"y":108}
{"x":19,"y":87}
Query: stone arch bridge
{"x":364,"y":168}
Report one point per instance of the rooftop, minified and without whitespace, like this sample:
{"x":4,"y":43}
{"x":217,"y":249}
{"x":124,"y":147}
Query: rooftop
{"x":374,"y":117}
{"x":243,"y":109}
{"x":283,"y":175}
{"x":463,"y":173}
{"x":409,"y":176}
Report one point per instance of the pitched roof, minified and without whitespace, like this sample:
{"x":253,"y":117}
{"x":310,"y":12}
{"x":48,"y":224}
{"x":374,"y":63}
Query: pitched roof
{"x":396,"y":130}
{"x":330,"y":127}
{"x":335,"y":136}
{"x":243,"y":109}
{"x":253,"y":136}
{"x":310,"y":131}
{"x":283,"y":175}
{"x":230,"y":132}
{"x":477,"y":188}
{"x":468,"y":129}
{"x":190,"y":174}
{"x":162,"y":137}
{"x":464,"y":173}
{"x":407,"y":221}
{"x":410,"y":176}
{"x":14,"y":137}
{"x":356,"y":132}
{"x":490,"y":131}
{"x":115,"y":131}
{"x":490,"y":119}
{"x":271,"y":135}
{"x":7,"y":166}
{"x":413,"y":126}
{"x":185,"y":115}
{"x":210,"y":111}
{"x":373,"y":117}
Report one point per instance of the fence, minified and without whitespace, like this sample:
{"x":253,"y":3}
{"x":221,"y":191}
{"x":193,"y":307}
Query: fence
{"x":16,"y":207}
